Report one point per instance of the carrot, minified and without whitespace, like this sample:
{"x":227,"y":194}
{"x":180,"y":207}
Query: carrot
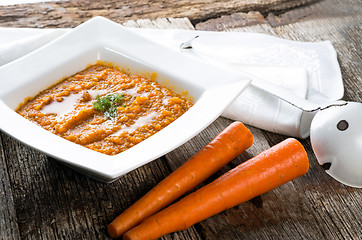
{"x":266,"y":171}
{"x":226,"y":146}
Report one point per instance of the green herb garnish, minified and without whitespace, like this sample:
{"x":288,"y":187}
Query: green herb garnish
{"x":108,"y":104}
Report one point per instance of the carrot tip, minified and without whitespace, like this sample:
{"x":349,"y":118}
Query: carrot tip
{"x":112,"y":231}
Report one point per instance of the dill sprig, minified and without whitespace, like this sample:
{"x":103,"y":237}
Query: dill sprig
{"x":108,"y":104}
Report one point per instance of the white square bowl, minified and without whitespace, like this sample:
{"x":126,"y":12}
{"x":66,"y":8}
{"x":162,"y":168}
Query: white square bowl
{"x":212,"y":90}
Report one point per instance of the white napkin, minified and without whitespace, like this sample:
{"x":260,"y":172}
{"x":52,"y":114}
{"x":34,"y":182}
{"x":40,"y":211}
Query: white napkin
{"x":301,"y":68}
{"x":15,"y":43}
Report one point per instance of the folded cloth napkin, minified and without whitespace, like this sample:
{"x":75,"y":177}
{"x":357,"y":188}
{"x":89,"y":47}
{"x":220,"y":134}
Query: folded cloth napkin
{"x":309,"y":70}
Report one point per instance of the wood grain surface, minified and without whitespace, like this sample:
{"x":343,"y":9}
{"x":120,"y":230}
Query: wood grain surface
{"x":72,"y":13}
{"x":43,"y":199}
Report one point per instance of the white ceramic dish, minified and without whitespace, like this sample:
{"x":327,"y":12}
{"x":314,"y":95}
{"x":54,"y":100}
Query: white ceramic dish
{"x":102,"y":39}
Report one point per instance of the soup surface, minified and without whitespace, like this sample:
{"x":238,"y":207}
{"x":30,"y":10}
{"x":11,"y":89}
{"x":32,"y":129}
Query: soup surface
{"x":105,"y":109}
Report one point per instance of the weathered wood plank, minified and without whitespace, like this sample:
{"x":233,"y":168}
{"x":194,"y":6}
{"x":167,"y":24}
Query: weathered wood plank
{"x":8,"y":221}
{"x":160,"y":23}
{"x":233,"y":21}
{"x":73,"y":13}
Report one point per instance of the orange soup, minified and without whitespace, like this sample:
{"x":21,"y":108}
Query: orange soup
{"x":105,"y":109}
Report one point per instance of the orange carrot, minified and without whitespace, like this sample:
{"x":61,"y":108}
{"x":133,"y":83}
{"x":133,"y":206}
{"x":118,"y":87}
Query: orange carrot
{"x":268,"y":170}
{"x":226,"y":146}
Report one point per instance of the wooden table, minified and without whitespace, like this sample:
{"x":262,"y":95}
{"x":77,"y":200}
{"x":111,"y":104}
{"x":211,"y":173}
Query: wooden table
{"x":42,"y":199}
